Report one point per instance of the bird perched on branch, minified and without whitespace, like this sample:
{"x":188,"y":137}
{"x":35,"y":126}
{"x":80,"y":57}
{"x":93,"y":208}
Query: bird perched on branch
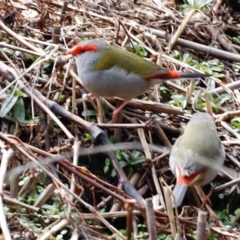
{"x":197,"y":155}
{"x":109,"y":71}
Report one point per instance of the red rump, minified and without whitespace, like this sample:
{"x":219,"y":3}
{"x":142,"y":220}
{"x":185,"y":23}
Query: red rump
{"x":171,"y":74}
{"x":81,"y":49}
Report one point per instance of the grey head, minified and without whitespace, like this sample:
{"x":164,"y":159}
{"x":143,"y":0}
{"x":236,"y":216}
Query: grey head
{"x":86,"y":60}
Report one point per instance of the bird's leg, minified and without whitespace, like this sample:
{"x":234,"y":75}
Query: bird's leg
{"x":100,"y":111}
{"x":117,"y":110}
{"x":205,"y":199}
{"x":209,"y":195}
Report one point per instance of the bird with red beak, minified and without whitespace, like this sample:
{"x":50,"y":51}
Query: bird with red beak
{"x":109,"y":71}
{"x":197,"y":156}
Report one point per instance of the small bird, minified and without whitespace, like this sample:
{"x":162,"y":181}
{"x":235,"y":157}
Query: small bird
{"x":197,"y":155}
{"x":109,"y":71}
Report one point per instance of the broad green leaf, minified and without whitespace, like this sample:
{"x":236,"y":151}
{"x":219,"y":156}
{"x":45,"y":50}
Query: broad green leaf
{"x":125,"y":155}
{"x":107,"y":162}
{"x":113,"y":173}
{"x":119,"y":156}
{"x":237,"y":211}
{"x":136,"y":153}
{"x":138,"y":160}
{"x":19,"y":93}
{"x":217,"y":69}
{"x":8,"y":50}
{"x":7,"y":105}
{"x":236,"y":122}
{"x":123,"y":164}
{"x":185,"y":57}
{"x":198,"y":4}
{"x":19,"y":110}
{"x":218,"y":75}
{"x":162,"y":236}
{"x":102,"y":210}
{"x":211,"y":84}
{"x":105,"y":169}
{"x":184,"y":103}
{"x":178,"y":97}
{"x":222,"y":99}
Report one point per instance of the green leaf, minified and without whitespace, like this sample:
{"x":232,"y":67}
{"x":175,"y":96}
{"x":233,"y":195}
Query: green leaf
{"x":221,"y":196}
{"x":136,"y":153}
{"x":7,"y":105}
{"x":185,"y":57}
{"x":222,"y":214}
{"x":218,"y":75}
{"x":138,"y":160}
{"x":89,"y":113}
{"x":32,"y":57}
{"x":178,"y":97}
{"x":162,"y":236}
{"x":19,"y":93}
{"x":184,"y":103}
{"x":33,"y":121}
{"x":18,"y":53}
{"x":19,"y":110}
{"x":23,"y":181}
{"x":166,"y":90}
{"x":211,"y":84}
{"x":237,"y":211}
{"x":125,"y":156}
{"x":106,"y":169}
{"x":102,"y":210}
{"x":8,"y":50}
{"x":107,"y":162}
{"x":236,"y":67}
{"x":198,"y":4}
{"x":236,"y":122}
{"x":140,"y":51}
{"x":113,"y":173}
{"x":64,"y":231}
{"x":123,"y":164}
{"x":49,"y":207}
{"x":222,"y":99}
{"x":59,"y":237}
{"x":47,"y":64}
{"x":179,"y":100}
{"x":217,"y":69}
{"x":88,"y":136}
{"x":119,"y":156}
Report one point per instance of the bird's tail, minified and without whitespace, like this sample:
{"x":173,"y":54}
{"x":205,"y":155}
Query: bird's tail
{"x":166,"y":74}
{"x":193,"y":75}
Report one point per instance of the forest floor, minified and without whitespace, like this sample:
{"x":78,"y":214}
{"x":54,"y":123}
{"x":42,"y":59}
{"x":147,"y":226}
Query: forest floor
{"x":67,"y":173}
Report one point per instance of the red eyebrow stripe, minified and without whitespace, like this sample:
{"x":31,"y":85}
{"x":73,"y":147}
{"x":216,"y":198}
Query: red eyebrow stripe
{"x":81,"y":49}
{"x":90,"y":48}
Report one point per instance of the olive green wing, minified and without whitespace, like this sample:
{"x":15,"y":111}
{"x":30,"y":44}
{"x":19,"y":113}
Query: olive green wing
{"x":118,"y":57}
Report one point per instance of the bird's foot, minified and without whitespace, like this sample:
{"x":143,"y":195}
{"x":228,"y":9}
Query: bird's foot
{"x":117,"y":111}
{"x":205,"y":198}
